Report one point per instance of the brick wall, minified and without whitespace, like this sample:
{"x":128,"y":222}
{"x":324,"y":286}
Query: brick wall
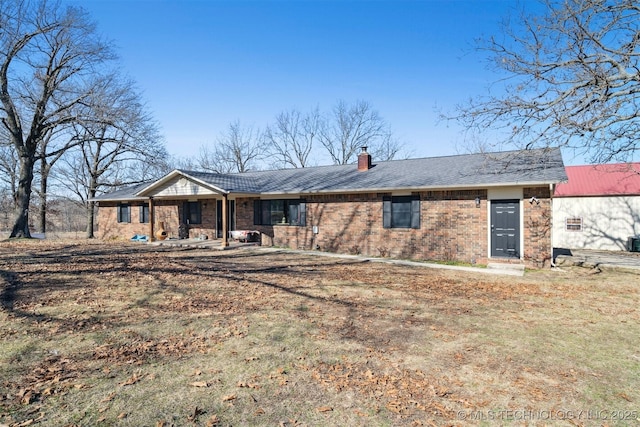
{"x":166,"y":212}
{"x":537,"y":226}
{"x":108,"y":226}
{"x":452,"y":228}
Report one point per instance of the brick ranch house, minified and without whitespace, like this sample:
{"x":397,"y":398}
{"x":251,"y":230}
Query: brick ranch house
{"x":473,"y":208}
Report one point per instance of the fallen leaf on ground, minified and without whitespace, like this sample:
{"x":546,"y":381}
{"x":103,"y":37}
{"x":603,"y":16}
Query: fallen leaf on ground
{"x":28,"y":398}
{"x":624,"y":396}
{"x":200,"y":384}
{"x":213,"y":421}
{"x":196,"y":413}
{"x":229,"y":398}
{"x":324,"y":409}
{"x":132,"y":380}
{"x":110,"y":397}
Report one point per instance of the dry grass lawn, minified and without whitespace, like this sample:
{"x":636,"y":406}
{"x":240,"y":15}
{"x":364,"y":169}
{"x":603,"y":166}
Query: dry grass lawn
{"x":135,"y":335}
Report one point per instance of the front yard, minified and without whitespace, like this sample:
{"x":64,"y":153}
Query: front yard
{"x":135,"y":335}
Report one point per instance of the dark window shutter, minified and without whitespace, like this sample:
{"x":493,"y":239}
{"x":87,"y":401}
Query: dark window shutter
{"x":265,"y":206}
{"x":415,"y":212}
{"x":302,"y":211}
{"x":195,"y":212}
{"x":185,"y":212}
{"x":124,"y":214}
{"x":141,"y":217}
{"x":386,"y":212}
{"x":257,"y":213}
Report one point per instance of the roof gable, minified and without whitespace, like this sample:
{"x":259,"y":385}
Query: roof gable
{"x":182,"y":186}
{"x":601,"y":180}
{"x":180,"y":183}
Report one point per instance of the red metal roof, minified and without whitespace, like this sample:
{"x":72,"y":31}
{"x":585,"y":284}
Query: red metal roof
{"x":601,"y":180}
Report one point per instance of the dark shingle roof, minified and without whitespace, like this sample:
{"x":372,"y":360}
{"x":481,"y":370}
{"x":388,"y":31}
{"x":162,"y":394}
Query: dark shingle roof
{"x":528,"y":167}
{"x":471,"y":170}
{"x":124,"y":194}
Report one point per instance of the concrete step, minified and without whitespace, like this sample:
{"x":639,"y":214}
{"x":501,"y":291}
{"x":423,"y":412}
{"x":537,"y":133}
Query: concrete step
{"x":512,"y":269}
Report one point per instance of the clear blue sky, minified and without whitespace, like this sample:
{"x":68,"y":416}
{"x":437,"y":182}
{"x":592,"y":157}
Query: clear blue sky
{"x":203,"y":64}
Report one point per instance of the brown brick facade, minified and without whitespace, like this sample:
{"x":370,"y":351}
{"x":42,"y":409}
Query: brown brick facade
{"x":452,"y":226}
{"x":537,"y":226}
{"x":169,"y":213}
{"x":110,"y":228}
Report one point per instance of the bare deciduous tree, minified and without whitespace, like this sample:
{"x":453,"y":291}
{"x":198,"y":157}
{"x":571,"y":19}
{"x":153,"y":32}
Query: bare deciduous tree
{"x":119,"y":146}
{"x":351,"y":127}
{"x":238,"y":149}
{"x":572,"y":79}
{"x":387,"y":148}
{"x":291,"y":138}
{"x":50,"y":149}
{"x":48,"y":57}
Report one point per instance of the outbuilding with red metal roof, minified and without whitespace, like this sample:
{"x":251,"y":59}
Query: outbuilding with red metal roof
{"x":598,"y":208}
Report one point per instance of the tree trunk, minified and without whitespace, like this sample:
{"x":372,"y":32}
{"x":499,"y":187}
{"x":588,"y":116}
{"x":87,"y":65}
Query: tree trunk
{"x":90,"y":219}
{"x":23,"y":197}
{"x":91,"y":211}
{"x":43,"y":199}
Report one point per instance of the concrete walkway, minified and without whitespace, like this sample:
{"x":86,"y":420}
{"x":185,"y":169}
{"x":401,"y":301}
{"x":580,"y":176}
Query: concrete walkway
{"x":563,"y":257}
{"x":213,"y":244}
{"x":493,"y":268}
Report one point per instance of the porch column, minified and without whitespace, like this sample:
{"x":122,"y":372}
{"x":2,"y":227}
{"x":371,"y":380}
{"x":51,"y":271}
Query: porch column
{"x":151,"y":219}
{"x":225,"y":221}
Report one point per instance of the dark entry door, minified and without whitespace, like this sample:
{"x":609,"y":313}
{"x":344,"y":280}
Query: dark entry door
{"x":231,"y":216}
{"x":505,"y":228}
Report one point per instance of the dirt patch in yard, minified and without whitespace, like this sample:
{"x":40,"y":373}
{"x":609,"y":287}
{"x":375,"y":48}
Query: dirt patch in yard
{"x":101,"y":333}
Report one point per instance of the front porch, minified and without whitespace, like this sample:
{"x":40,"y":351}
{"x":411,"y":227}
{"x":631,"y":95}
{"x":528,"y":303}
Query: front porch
{"x":212,"y":244}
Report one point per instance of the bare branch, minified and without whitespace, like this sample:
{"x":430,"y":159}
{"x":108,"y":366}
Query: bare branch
{"x":572,"y":80}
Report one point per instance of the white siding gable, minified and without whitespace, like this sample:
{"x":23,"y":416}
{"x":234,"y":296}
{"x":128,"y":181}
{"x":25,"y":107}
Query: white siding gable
{"x":182,"y":187}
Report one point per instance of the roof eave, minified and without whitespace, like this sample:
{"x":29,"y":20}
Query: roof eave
{"x":118,"y":199}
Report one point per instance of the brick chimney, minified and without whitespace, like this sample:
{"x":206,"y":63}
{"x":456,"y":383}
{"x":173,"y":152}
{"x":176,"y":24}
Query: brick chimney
{"x":364,"y":160}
